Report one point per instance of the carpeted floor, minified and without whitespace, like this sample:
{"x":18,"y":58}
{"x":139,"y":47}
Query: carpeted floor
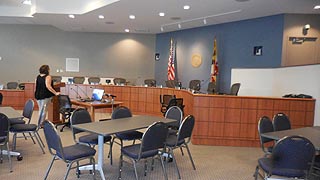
{"x":212,"y":162}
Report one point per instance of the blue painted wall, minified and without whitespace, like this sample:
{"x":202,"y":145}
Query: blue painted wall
{"x":235,"y":42}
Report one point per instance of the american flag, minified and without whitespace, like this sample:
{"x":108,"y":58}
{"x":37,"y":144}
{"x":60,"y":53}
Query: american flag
{"x":171,"y":69}
{"x":214,"y":65}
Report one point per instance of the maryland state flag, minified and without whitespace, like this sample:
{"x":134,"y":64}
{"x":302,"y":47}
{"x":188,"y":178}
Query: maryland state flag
{"x":171,"y":69}
{"x":214,"y":65}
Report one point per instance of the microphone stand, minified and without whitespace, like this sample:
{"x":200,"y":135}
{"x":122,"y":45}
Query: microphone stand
{"x":87,"y":97}
{"x":112,"y":100}
{"x":77,"y":94}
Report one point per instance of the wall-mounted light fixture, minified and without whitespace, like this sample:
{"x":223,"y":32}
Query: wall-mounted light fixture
{"x":305,"y":29}
{"x":204,"y":19}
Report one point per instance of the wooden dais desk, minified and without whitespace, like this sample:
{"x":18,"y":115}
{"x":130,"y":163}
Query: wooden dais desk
{"x":91,"y":106}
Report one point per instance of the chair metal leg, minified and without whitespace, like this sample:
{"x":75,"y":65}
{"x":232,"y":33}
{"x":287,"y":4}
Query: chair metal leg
{"x":145,"y":167}
{"x":120,"y":165}
{"x":175,"y":162}
{"x":135,"y":169}
{"x":67,"y":173}
{"x":110,"y":153}
{"x":40,"y":139}
{"x":93,"y":162}
{"x":194,"y":167}
{"x":35,"y":135}
{"x":49,"y":168}
{"x":162,"y":165}
{"x":30,"y":137}
{"x":181,"y":151}
{"x":152,"y":164}
{"x":25,"y":137}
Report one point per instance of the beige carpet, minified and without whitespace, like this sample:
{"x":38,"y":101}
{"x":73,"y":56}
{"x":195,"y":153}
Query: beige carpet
{"x":212,"y":162}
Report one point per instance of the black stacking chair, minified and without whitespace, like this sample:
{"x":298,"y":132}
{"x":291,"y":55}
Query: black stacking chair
{"x":265,"y":126}
{"x":181,"y":139}
{"x":124,"y":112}
{"x":175,"y":102}
{"x":174,"y":112}
{"x":12,"y":85}
{"x":164,"y":101}
{"x":315,"y":171}
{"x":93,"y":80}
{"x":119,"y":81}
{"x":56,"y":79}
{"x":78,"y":80}
{"x":31,"y":129}
{"x":81,"y":116}
{"x":151,"y":144}
{"x":69,"y":154}
{"x":281,"y":122}
{"x":65,"y":109}
{"x":195,"y":85}
{"x":26,"y":113}
{"x":1,"y":98}
{"x":4,"y":137}
{"x":211,"y":88}
{"x":150,"y":82}
{"x":292,"y":157}
{"x":171,"y":83}
{"x":235,"y":89}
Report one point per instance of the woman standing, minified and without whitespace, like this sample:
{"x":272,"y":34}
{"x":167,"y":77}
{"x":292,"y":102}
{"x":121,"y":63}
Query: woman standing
{"x":44,"y":89}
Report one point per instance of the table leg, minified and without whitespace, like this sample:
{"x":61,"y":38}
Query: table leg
{"x":99,"y":166}
{"x":91,"y":111}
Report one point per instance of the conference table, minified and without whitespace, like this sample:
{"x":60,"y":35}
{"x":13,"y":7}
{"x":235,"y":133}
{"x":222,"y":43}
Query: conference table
{"x":11,"y":114}
{"x":92,"y":106}
{"x":113,"y":126}
{"x":311,"y":133}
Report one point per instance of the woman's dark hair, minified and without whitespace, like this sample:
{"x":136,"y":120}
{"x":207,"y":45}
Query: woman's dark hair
{"x":44,"y":69}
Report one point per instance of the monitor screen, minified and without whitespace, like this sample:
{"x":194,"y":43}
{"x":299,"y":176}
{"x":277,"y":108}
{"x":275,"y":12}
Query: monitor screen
{"x":97,"y":94}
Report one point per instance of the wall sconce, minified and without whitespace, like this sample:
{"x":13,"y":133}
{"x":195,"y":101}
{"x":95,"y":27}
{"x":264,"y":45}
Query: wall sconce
{"x":305,"y":29}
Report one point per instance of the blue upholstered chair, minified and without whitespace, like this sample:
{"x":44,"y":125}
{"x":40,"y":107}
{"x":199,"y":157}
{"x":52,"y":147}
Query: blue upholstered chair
{"x":4,"y":137}
{"x":124,"y":112}
{"x":174,"y":112}
{"x":181,"y":139}
{"x":281,"y":122}
{"x":69,"y":154}
{"x":152,"y":144}
{"x":81,"y":116}
{"x":265,"y":126}
{"x":292,"y":157}
{"x":31,"y":129}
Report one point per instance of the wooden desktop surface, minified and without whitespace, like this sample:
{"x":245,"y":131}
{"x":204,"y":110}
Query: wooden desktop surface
{"x":92,"y":106}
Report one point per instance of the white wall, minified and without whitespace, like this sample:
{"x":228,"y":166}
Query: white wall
{"x":280,"y":81}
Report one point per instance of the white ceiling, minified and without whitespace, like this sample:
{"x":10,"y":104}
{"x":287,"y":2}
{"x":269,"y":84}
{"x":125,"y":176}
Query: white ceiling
{"x":116,"y":12}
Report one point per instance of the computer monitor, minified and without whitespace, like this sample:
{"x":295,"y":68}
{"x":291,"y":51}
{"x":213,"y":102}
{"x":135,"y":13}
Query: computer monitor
{"x":97,"y":94}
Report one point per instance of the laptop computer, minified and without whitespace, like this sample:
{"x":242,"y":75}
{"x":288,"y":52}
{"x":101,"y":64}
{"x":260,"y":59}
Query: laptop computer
{"x":97,"y":94}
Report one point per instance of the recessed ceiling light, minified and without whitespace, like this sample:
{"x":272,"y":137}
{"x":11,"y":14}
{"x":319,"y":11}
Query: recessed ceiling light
{"x":161,"y":29}
{"x":162,"y":14}
{"x":317,"y":7}
{"x":101,"y":17}
{"x":71,"y":16}
{"x":179,"y":26}
{"x":186,"y":7}
{"x":127,"y":30}
{"x":27,"y":2}
{"x":132,"y":16}
{"x":204,"y":21}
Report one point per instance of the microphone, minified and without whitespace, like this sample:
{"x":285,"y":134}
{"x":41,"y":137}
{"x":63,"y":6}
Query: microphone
{"x":110,"y":95}
{"x":85,"y":93}
{"x":77,"y":94}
